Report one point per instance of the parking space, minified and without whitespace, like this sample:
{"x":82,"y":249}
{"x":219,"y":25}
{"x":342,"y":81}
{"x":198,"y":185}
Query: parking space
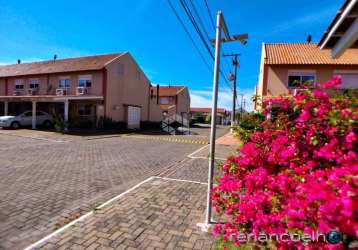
{"x":157,"y":214}
{"x":45,"y":184}
{"x":49,"y":179}
{"x":38,"y":135}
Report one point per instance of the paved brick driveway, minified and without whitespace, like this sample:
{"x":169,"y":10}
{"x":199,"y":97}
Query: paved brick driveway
{"x":45,"y":184}
{"x":159,"y":214}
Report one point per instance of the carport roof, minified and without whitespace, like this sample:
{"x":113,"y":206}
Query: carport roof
{"x":168,"y":90}
{"x":206,"y":110}
{"x":85,"y":63}
{"x":46,"y":98}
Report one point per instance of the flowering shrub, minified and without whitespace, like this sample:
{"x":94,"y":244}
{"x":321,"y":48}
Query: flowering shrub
{"x":249,"y":123}
{"x":299,"y":175}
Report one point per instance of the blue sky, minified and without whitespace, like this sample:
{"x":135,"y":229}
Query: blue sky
{"x":148,"y":29}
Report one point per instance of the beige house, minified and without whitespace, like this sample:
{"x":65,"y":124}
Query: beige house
{"x":172,"y":99}
{"x":91,"y":87}
{"x":285,"y":67}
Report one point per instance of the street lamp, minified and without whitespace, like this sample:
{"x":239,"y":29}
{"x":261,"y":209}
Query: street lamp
{"x":242,"y":38}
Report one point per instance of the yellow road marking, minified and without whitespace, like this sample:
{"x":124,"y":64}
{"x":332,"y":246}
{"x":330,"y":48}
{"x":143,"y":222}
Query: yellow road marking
{"x":179,"y":140}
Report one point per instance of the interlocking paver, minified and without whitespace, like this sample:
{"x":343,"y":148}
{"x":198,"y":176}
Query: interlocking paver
{"x":193,"y":170}
{"x":152,"y":197}
{"x":45,"y":184}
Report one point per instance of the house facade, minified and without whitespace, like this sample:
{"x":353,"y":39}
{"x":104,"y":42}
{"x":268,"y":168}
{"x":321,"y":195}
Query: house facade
{"x":84,"y":88}
{"x":285,"y":67}
{"x":172,"y":99}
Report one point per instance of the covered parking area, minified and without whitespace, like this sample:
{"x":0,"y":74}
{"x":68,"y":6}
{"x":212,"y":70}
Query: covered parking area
{"x":58,"y":106}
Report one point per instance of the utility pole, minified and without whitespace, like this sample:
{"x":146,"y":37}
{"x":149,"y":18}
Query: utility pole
{"x":233,"y":78}
{"x":220,"y":26}
{"x":219,"y":21}
{"x":242,"y":99}
{"x":244,"y":106}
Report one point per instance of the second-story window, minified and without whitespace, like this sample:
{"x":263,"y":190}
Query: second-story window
{"x":34,"y":83}
{"x":85,"y":81}
{"x":301,"y":80}
{"x":19,"y":84}
{"x":64,"y":83}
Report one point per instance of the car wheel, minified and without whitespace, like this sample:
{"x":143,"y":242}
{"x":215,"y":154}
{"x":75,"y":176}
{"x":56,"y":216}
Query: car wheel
{"x":47,"y":123}
{"x":15,"y":125}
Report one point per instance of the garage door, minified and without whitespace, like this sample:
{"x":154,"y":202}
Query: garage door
{"x":133,"y":120}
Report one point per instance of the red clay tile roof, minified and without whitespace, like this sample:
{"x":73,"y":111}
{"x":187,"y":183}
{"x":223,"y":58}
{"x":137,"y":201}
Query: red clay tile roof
{"x":206,"y":110}
{"x":64,"y":65}
{"x":167,"y":106}
{"x":306,"y":53}
{"x":168,"y":90}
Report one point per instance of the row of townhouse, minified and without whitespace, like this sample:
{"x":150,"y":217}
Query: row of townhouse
{"x":91,"y":87}
{"x":201,"y":114}
{"x":173,"y":99}
{"x":285,"y":67}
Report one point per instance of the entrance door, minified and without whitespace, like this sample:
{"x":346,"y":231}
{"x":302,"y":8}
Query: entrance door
{"x":133,"y":120}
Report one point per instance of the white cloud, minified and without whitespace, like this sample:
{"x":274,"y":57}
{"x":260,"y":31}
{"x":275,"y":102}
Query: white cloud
{"x":203,"y":98}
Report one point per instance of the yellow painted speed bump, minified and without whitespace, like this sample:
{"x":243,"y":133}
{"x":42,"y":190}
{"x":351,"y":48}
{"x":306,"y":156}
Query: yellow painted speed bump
{"x":169,"y":139}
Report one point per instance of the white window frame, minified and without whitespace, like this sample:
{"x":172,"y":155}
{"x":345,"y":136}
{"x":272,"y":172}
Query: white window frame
{"x":85,"y":78}
{"x":301,"y":74}
{"x":34,"y":81}
{"x":19,"y":82}
{"x":61,"y":78}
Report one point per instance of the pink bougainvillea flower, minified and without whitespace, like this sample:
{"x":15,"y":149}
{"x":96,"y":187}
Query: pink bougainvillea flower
{"x":299,"y":174}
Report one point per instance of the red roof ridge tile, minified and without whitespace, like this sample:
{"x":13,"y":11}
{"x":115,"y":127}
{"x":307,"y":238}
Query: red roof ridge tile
{"x":305,"y":53}
{"x":83,"y":63}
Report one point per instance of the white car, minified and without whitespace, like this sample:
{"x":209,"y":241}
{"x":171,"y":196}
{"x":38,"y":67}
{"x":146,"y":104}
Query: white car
{"x":25,"y":119}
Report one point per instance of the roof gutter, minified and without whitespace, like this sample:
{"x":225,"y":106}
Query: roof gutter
{"x":346,"y":40}
{"x":340,"y":20}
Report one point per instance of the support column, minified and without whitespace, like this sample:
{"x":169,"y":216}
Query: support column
{"x":66,"y":114}
{"x":33,"y":114}
{"x":6,"y":108}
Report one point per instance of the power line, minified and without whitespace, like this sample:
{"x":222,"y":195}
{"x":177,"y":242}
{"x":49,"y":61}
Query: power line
{"x":211,"y":18}
{"x":199,"y":32}
{"x":196,"y":27}
{"x":190,"y":37}
{"x":200,"y":20}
